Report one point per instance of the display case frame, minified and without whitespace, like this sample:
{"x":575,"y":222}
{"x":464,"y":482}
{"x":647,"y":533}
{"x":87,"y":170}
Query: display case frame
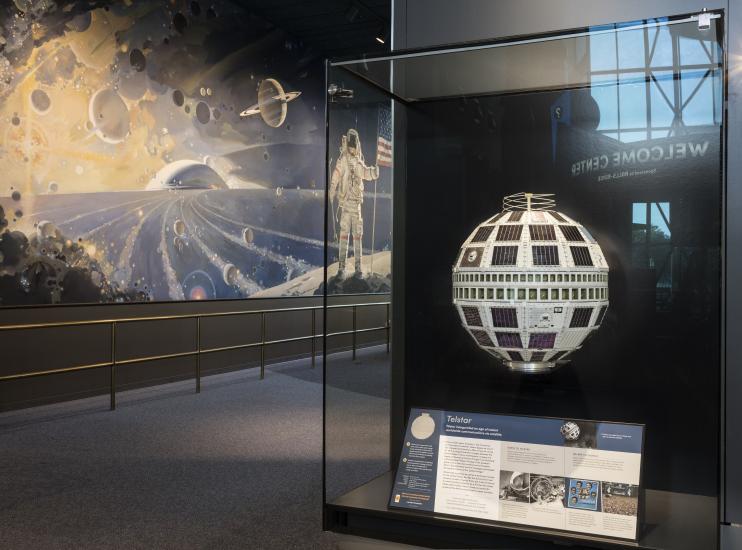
{"x":364,"y":510}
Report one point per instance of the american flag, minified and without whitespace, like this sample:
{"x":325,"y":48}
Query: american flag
{"x":384,"y":143}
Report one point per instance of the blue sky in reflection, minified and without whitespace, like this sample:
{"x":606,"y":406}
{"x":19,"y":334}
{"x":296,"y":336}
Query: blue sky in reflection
{"x":655,"y":82}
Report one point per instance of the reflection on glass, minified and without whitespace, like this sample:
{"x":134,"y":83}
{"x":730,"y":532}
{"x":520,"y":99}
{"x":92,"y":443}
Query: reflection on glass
{"x":654,"y":82}
{"x":653,"y":205}
{"x":652,"y":247}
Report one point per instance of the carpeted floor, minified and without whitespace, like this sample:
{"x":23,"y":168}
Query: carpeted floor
{"x":238,"y":466}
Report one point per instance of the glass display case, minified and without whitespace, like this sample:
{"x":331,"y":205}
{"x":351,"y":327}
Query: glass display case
{"x":556,"y":254}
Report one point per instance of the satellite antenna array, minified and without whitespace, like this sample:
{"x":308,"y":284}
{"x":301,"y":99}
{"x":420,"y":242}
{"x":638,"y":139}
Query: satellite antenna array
{"x":528,"y":201}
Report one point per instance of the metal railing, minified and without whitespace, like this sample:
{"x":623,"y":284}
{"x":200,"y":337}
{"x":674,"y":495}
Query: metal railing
{"x":199,"y":351}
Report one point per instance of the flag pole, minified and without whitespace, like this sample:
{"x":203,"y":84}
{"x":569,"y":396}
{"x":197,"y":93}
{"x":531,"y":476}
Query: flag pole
{"x":373,"y":223}
{"x":334,"y":217}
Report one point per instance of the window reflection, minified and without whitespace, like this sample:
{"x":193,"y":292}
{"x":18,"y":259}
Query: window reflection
{"x":654,"y":82}
{"x":652,"y":246}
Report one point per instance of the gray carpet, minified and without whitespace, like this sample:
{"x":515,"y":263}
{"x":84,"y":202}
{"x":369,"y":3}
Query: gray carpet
{"x":238,"y":466}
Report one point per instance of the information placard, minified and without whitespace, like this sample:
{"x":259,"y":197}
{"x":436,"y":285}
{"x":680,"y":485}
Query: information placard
{"x":571,"y":475}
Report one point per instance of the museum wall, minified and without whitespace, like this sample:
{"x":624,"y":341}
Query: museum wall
{"x":160,"y":158}
{"x":423,"y":23}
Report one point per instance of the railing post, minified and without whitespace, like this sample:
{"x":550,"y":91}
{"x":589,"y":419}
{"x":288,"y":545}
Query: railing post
{"x":354,"y":331}
{"x":314,"y":332}
{"x":262,"y":345}
{"x":113,"y":366}
{"x":198,"y":354}
{"x":388,"y":331}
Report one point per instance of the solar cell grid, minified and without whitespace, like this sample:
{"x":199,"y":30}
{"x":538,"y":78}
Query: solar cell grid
{"x":581,"y":317}
{"x":504,"y":317}
{"x":571,"y":233}
{"x":542,"y":340}
{"x":545,"y":255}
{"x":581,"y":255}
{"x":557,"y":216}
{"x":497,"y":218}
{"x":504,"y":255}
{"x":515,"y":216}
{"x":482,"y":234}
{"x":509,"y":232}
{"x":509,"y":339}
{"x":482,"y":337}
{"x":471,"y":314}
{"x":538,"y":355}
{"x":515,"y":356}
{"x":542,"y":232}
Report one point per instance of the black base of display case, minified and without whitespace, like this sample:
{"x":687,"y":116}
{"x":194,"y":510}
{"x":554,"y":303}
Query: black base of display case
{"x":672,"y":520}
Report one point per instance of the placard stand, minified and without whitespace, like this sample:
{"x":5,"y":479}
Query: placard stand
{"x":570,"y":475}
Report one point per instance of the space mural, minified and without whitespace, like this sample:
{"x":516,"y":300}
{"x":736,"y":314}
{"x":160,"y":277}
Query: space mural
{"x":157,"y":150}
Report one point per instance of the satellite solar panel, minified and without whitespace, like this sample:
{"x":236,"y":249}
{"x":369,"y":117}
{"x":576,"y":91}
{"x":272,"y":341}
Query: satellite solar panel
{"x":509,"y":339}
{"x":601,"y":314}
{"x":557,"y":216}
{"x":482,"y":337}
{"x":538,"y":355}
{"x":504,"y":255}
{"x":504,"y":317}
{"x":571,"y":233}
{"x":482,"y":234}
{"x":497,"y":218}
{"x":515,"y":216}
{"x":542,"y":340}
{"x":545,"y":255}
{"x":471,"y":314}
{"x":581,"y":317}
{"x":509,"y":232}
{"x":581,"y":255}
{"x":558,"y":355}
{"x":515,"y":356}
{"x":542,"y":232}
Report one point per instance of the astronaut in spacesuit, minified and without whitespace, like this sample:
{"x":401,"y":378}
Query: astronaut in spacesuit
{"x":346,"y":185}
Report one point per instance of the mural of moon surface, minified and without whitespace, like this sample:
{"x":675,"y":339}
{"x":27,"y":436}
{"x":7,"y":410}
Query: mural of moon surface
{"x":151,"y":240}
{"x":131,"y":171}
{"x":109,"y":116}
{"x":186,"y":174}
{"x":40,"y":101}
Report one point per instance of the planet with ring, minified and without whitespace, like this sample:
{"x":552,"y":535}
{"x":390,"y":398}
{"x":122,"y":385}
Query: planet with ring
{"x":272,"y":103}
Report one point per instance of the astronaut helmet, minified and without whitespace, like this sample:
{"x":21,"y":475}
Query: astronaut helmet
{"x":353,"y":143}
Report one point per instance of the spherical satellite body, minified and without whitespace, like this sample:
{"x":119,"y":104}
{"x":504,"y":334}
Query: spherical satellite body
{"x":530,"y":284}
